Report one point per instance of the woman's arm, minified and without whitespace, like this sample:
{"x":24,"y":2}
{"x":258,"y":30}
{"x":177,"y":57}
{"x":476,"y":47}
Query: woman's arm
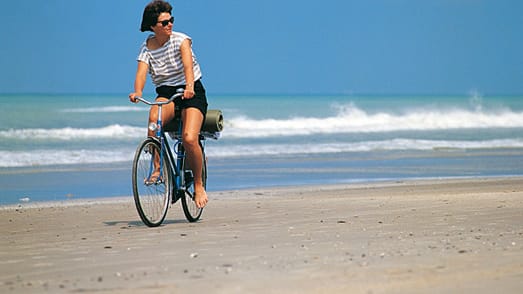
{"x":187,"y":61}
{"x":139,"y":82}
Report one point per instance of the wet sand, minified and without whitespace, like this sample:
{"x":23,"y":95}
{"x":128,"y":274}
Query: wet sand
{"x":438,"y":236}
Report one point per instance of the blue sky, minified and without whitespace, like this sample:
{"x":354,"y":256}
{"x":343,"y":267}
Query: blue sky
{"x":273,"y":46}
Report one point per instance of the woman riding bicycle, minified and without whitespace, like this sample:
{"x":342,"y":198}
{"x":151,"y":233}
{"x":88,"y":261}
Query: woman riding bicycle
{"x":169,"y":59}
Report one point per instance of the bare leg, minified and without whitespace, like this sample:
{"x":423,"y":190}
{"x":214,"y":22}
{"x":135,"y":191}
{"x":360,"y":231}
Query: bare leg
{"x":192,"y":123}
{"x":167,"y":115}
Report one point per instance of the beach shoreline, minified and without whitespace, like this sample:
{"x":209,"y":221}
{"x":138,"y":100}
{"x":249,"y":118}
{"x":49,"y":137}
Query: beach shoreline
{"x":408,"y":236}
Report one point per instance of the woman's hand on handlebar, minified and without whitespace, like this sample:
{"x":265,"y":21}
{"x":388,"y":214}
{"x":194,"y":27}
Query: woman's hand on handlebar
{"x":188,"y":93}
{"x":132,"y":97}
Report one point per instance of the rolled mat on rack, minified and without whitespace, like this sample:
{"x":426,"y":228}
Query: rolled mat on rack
{"x":213,"y":121}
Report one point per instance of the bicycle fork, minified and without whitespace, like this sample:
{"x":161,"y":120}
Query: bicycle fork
{"x":158,"y":128}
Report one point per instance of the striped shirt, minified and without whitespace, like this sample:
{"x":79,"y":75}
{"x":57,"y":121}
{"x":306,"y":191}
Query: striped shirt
{"x":165,"y":63}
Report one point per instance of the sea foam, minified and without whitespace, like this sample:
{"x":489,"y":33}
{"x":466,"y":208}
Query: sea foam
{"x":112,"y":131}
{"x":46,"y":157}
{"x":351,"y":119}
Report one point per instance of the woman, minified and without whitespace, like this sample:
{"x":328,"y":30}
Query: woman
{"x":167,"y":56}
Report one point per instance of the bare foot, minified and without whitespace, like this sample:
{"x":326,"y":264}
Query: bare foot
{"x":155,"y":178}
{"x":200,"y":197}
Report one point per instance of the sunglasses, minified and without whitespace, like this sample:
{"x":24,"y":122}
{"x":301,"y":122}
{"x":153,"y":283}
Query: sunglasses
{"x":167,"y":21}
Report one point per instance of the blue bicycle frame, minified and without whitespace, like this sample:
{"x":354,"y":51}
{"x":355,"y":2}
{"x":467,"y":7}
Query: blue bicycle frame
{"x":164,"y":146}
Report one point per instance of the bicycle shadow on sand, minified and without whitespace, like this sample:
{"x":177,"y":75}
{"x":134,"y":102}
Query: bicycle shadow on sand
{"x":137,"y":223}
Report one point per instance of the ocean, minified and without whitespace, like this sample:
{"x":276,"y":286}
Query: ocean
{"x":61,"y":147}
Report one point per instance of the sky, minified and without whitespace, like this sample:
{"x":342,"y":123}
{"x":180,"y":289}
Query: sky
{"x":272,"y":46}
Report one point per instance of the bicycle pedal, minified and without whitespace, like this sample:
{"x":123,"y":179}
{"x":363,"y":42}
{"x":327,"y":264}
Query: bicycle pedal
{"x":177,"y":195}
{"x":156,"y":182}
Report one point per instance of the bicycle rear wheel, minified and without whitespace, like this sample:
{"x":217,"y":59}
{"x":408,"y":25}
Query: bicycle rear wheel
{"x":151,"y":187}
{"x":191,"y":211}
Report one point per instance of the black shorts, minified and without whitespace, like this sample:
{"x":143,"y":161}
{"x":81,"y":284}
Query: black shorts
{"x":199,"y":100}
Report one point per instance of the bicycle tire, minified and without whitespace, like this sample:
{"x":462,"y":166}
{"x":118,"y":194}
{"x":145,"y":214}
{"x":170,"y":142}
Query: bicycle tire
{"x":191,"y":211}
{"x":152,"y":199}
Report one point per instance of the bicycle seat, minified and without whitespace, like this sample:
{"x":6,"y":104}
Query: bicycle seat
{"x":174,"y":124}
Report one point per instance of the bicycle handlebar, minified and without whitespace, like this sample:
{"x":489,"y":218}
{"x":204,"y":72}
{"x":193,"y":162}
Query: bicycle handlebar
{"x":177,"y":95}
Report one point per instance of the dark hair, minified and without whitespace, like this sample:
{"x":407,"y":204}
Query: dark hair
{"x":151,"y":13}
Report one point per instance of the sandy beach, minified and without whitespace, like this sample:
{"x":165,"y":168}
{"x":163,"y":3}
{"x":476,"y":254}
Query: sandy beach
{"x":437,"y":236}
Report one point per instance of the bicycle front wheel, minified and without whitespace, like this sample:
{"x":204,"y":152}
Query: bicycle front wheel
{"x":191,"y":211}
{"x":151,"y":182}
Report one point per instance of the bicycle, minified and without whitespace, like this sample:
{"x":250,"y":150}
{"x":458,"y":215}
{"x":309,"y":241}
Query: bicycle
{"x":161,"y":175}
